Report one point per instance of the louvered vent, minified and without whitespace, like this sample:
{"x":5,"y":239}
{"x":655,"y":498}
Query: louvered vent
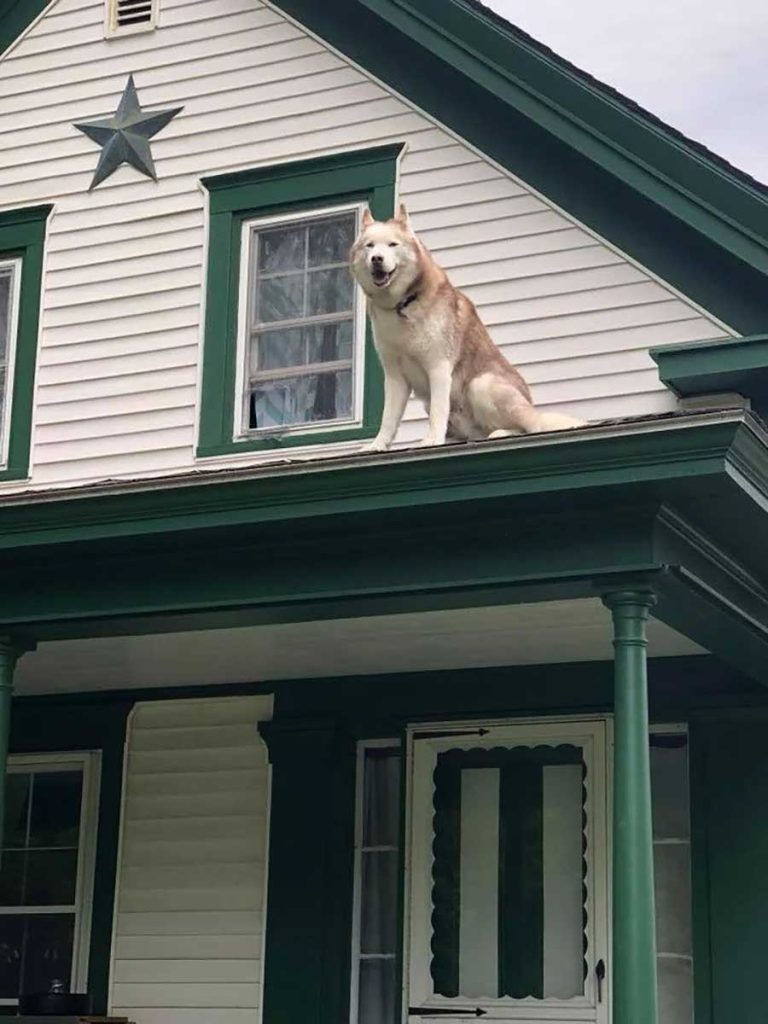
{"x":126,"y":16}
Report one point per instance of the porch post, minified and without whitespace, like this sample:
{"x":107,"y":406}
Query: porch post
{"x":9,"y":653}
{"x":634,"y":927}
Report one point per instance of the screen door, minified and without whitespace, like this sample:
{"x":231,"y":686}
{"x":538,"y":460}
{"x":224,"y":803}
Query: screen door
{"x":507,"y":872}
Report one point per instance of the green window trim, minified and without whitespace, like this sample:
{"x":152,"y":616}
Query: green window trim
{"x":363,"y":176}
{"x":22,"y":237}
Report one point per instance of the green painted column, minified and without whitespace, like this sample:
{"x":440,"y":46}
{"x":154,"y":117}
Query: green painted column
{"x":9,"y":653}
{"x":634,"y":923}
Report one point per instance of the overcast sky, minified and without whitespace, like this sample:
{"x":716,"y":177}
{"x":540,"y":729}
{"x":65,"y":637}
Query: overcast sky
{"x":700,"y":65}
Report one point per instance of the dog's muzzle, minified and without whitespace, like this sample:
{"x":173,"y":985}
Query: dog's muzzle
{"x":379,"y":274}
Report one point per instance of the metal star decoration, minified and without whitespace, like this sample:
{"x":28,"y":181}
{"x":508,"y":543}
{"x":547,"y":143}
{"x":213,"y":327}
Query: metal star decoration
{"x":124,"y":137}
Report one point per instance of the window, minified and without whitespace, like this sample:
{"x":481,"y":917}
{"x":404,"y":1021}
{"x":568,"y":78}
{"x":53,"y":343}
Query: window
{"x":377,"y":862}
{"x":672,"y":871}
{"x":22,"y":237}
{"x":10,"y":276}
{"x":519,"y":916}
{"x":305,"y":323}
{"x":46,"y":874}
{"x":288,"y":357}
{"x":126,"y":17}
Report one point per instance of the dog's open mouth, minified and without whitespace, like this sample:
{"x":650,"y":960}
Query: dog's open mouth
{"x":381,"y":277}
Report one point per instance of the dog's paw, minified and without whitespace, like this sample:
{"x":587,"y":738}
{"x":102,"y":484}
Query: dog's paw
{"x":431,"y":442}
{"x":376,"y":445}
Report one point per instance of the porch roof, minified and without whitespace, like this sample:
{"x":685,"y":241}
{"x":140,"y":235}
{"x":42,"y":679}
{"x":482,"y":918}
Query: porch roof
{"x":678,"y":501}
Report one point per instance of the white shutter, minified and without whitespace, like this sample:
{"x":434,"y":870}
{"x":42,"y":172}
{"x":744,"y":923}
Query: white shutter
{"x":189,"y":910}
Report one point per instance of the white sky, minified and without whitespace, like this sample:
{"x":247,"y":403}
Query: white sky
{"x":699,"y":65}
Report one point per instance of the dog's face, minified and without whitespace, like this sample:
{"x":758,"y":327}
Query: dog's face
{"x":385,"y":256}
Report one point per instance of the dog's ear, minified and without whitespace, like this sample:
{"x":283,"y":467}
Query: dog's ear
{"x":402,"y":216}
{"x":367,"y":219}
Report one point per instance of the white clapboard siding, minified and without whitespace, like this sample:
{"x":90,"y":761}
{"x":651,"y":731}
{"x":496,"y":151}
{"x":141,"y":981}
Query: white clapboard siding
{"x":118,"y":367}
{"x":189,"y":919}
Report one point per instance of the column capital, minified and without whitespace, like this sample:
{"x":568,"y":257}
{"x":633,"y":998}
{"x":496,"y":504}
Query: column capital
{"x":11,"y":649}
{"x":629,"y":597}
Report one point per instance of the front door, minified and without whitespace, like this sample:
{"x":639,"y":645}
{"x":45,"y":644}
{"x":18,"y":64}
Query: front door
{"x":507,"y":872}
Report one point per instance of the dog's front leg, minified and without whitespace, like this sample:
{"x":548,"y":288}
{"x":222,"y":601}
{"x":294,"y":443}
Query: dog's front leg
{"x":397,"y":391}
{"x":439,"y":374}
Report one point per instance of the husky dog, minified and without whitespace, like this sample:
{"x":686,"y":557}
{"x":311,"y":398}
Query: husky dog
{"x":430,"y":340}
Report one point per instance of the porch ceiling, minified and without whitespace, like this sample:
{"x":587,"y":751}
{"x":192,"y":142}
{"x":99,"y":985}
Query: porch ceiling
{"x":523,"y":634}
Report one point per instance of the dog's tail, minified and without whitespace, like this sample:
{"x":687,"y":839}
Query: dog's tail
{"x":558,"y":421}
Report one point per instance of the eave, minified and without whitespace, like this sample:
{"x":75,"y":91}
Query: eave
{"x":597,"y":156}
{"x":738,"y":365}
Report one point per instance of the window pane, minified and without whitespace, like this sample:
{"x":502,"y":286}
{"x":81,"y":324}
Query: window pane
{"x":51,"y":878}
{"x":672,"y":873}
{"x":5,"y":308}
{"x":56,"y":809}
{"x":12,"y":878}
{"x":381,"y":797}
{"x":282,"y":249}
{"x":379,"y":902}
{"x":16,"y":809}
{"x":330,"y":291}
{"x":329,"y":342}
{"x":11,"y":948}
{"x":280,"y":298}
{"x":47,"y":952}
{"x":276,"y":349}
{"x":669,"y":782}
{"x":331,"y":240}
{"x":675,"y":991}
{"x":376,"y":1002}
{"x":296,"y":400}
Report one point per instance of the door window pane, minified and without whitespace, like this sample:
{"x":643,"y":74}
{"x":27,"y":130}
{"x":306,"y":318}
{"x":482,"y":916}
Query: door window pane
{"x":507,"y":878}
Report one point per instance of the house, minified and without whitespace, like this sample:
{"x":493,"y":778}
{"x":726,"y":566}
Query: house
{"x":296,"y":733}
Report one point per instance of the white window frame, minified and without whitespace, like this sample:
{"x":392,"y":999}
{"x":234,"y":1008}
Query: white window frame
{"x":679,"y":729}
{"x":10,"y":359}
{"x":112,"y":30}
{"x":357,"y":902}
{"x":591,"y":731}
{"x":248,"y":250}
{"x":89,"y":762}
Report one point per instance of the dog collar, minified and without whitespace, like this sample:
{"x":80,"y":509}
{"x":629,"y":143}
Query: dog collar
{"x":404,"y":303}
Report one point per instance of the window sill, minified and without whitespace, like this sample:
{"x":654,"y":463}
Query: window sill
{"x":306,"y":443}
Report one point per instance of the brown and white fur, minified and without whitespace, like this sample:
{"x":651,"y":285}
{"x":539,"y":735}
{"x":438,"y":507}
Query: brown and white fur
{"x":431,"y":341}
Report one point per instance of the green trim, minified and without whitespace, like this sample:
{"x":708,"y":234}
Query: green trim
{"x":614,"y":167}
{"x":46,"y":725}
{"x":309,"y":899}
{"x":15,"y":17}
{"x":737,"y":365}
{"x":735,"y":849}
{"x":673,"y":453}
{"x":22,"y":235}
{"x":363,"y":176}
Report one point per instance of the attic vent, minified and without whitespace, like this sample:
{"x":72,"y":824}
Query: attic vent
{"x":124,"y":17}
